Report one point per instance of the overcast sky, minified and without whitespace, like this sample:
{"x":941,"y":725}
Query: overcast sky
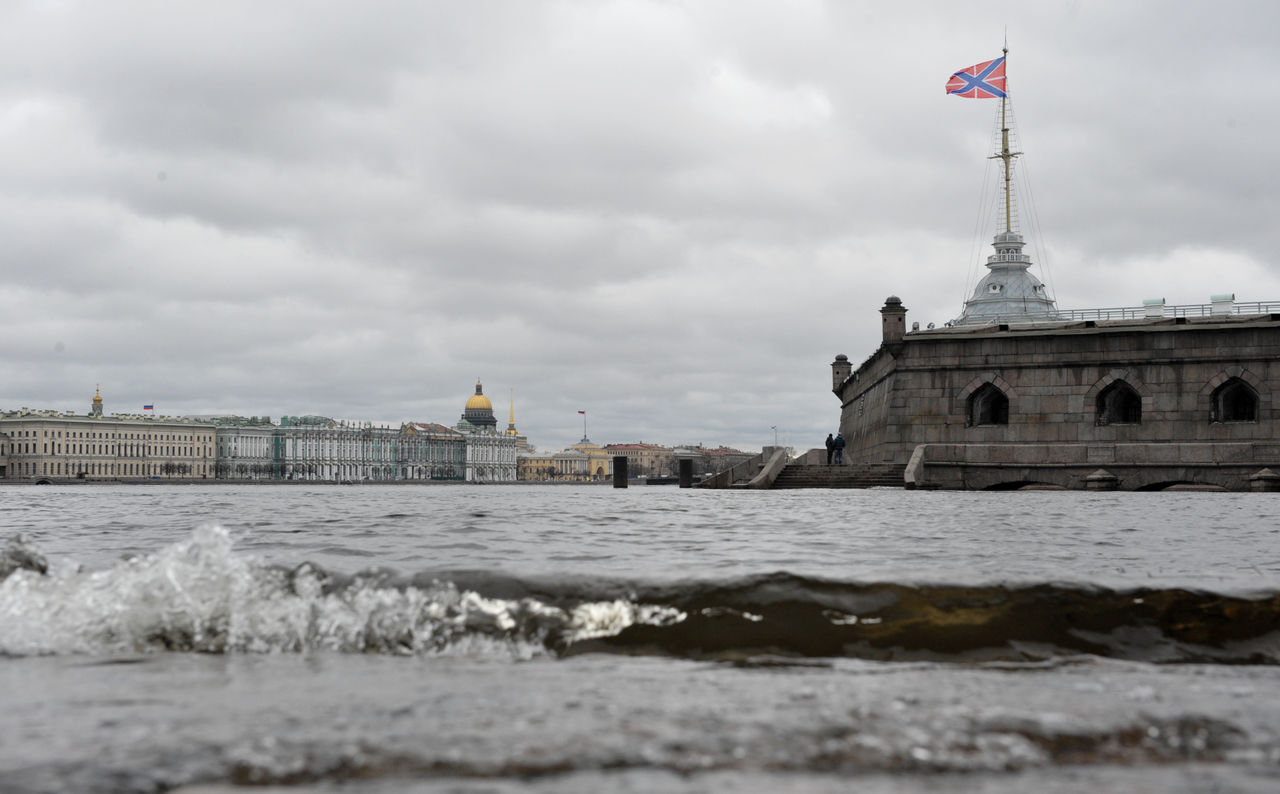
{"x":669,"y":214}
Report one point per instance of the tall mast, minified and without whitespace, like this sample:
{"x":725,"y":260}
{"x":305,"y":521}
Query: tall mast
{"x":1008,"y":293}
{"x":1005,"y":155}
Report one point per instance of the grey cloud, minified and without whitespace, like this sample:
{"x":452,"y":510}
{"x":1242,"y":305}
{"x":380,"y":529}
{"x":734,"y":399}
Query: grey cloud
{"x":671,"y":215}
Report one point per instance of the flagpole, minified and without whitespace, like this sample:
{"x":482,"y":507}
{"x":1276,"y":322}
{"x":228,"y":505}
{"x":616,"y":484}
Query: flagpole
{"x":1005,"y":155}
{"x":1004,"y":143}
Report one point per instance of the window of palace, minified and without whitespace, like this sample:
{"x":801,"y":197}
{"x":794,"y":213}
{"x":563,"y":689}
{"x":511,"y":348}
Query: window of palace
{"x":988,"y":406}
{"x":1234,"y":401}
{"x":1119,"y":404}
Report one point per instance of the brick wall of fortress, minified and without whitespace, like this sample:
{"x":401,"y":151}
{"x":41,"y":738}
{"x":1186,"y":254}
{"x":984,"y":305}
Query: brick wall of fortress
{"x":915,"y":391}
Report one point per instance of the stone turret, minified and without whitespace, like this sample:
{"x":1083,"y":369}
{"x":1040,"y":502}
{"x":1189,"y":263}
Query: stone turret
{"x":893,"y":319}
{"x":840,"y":370}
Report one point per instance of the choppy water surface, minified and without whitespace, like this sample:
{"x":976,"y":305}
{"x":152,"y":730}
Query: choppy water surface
{"x":513,"y":639}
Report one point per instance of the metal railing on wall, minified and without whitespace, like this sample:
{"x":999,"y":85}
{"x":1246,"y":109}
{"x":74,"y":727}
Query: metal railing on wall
{"x":1133,"y":313}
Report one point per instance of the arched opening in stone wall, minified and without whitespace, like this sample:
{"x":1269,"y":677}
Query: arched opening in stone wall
{"x":1119,"y":404}
{"x":1234,"y":401}
{"x":988,"y":406}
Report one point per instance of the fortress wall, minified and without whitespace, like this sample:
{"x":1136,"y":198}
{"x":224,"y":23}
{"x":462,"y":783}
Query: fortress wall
{"x":916,"y":391}
{"x":867,"y":411}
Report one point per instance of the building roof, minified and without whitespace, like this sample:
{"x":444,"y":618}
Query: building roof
{"x":638,"y":446}
{"x":438,"y":429}
{"x":1008,"y":293}
{"x":1065,"y":323}
{"x":722,"y":451}
{"x":26,"y":414}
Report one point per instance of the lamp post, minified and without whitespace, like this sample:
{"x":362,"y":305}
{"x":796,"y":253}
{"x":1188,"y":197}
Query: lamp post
{"x":775,"y":434}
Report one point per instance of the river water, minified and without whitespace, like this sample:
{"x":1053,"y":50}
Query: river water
{"x":515,"y":638}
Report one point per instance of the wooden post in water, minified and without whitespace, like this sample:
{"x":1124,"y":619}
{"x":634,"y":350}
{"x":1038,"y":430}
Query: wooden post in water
{"x":686,"y":472}
{"x":619,"y":471}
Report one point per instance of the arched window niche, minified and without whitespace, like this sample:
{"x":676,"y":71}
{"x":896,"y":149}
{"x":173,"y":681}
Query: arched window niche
{"x":1119,"y":404}
{"x":988,"y":406}
{"x":1234,"y":401}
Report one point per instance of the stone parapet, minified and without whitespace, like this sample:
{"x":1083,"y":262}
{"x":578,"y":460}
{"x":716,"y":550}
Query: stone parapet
{"x":1235,"y":466}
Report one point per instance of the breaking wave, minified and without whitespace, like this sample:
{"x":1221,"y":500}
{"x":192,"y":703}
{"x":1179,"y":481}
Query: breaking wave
{"x":200,"y":595}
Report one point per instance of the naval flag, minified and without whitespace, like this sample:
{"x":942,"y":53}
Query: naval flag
{"x":985,"y":80}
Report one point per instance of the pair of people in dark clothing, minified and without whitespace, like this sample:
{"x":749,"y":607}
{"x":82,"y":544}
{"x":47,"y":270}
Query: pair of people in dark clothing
{"x":835,"y":446}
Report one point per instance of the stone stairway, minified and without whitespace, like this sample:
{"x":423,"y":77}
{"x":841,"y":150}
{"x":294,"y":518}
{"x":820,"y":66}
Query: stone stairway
{"x":743,"y":478}
{"x":862,"y":475}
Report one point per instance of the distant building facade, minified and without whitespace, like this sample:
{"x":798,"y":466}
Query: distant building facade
{"x":534,"y":467}
{"x":599,"y":461}
{"x":583,"y":462}
{"x":571,"y":466}
{"x":490,"y":456}
{"x":319,"y":448}
{"x":245,"y":448}
{"x":645,"y":460}
{"x":711,"y":460}
{"x":48,"y":446}
{"x":56,"y":446}
{"x":431,"y":451}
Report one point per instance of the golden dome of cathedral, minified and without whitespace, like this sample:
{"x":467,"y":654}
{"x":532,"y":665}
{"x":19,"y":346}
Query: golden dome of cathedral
{"x":479,"y":411}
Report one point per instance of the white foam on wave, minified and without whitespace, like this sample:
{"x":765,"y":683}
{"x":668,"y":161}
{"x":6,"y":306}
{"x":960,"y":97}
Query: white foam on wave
{"x":199,"y":595}
{"x":609,"y":618}
{"x":117,"y":609}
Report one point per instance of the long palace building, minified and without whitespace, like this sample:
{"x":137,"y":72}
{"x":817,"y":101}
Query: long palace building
{"x":318,"y":448}
{"x":38,"y":445}
{"x":53,"y":446}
